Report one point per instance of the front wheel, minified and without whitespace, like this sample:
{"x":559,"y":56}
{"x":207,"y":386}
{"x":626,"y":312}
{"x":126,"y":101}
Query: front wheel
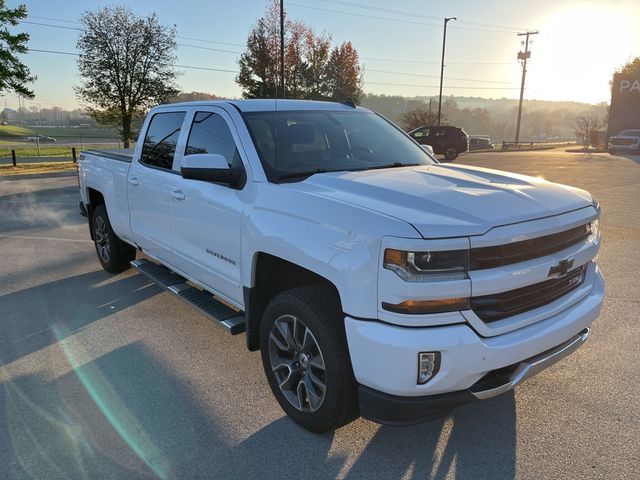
{"x":306,"y":359}
{"x":113,"y":253}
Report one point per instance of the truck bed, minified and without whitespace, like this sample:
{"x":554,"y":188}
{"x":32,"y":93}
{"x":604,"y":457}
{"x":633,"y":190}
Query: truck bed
{"x":116,"y":154}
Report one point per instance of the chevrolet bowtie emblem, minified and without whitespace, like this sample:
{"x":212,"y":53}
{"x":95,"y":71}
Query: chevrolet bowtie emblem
{"x":561,"y":269}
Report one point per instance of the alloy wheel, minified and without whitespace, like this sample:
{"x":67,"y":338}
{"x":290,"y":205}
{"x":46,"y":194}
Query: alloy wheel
{"x":297,"y":363}
{"x":102,"y":239}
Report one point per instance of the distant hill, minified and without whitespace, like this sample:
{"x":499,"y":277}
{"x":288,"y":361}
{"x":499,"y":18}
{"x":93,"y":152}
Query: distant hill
{"x":540,"y":118}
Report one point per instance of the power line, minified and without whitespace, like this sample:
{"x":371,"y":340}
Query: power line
{"x":192,"y":67}
{"x":508,"y":28}
{"x":437,"y":86}
{"x":57,"y":52}
{"x":436,"y":76}
{"x":239,"y":53}
{"x":433,"y":62}
{"x":398,"y":20}
{"x":178,"y":44}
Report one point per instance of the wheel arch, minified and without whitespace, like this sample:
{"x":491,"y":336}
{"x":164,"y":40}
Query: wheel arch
{"x":95,"y":198}
{"x":270,"y":276}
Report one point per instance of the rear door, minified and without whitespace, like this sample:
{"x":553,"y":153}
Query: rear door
{"x":437,"y":137}
{"x":150,"y":182}
{"x":206,"y":216}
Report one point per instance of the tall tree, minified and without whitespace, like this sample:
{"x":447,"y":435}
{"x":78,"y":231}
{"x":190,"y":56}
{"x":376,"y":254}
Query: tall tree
{"x":14,"y":75}
{"x":312,"y":69}
{"x":419,"y":117}
{"x":344,"y":73}
{"x":125,"y":65}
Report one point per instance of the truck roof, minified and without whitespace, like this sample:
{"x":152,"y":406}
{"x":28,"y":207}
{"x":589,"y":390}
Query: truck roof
{"x":268,"y":105}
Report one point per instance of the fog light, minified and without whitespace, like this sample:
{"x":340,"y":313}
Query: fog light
{"x":428,"y":366}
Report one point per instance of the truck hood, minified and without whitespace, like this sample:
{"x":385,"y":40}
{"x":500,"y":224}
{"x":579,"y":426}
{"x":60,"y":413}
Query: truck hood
{"x":448,"y":200}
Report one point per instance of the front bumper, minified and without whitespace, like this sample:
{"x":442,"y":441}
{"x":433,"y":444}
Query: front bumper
{"x":384,"y":357}
{"x":397,"y":410}
{"x":623,"y":148}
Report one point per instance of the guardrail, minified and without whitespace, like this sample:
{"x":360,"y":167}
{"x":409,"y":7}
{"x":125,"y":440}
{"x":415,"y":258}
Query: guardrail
{"x":533,"y":145}
{"x":22,"y":149}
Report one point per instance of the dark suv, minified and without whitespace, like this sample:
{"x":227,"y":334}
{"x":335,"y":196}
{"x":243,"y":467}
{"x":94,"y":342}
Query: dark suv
{"x":445,"y":140}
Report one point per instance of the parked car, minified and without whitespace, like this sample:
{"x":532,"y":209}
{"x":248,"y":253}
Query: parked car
{"x":445,"y":140}
{"x":41,"y":139}
{"x":627,"y":141}
{"x":374,"y":280}
{"x":479,"y":143}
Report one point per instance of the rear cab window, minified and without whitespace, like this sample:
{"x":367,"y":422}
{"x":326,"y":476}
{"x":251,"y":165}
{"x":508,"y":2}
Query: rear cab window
{"x":161,"y":139}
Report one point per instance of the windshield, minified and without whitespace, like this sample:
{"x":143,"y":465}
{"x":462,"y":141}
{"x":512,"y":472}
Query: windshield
{"x":302,"y":143}
{"x":630,"y":133}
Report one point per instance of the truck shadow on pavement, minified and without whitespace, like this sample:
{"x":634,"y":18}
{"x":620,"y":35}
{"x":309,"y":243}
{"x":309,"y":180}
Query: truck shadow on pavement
{"x":476,"y":441}
{"x":30,"y":316}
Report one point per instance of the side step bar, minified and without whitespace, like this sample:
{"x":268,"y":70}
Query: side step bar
{"x":203,"y":301}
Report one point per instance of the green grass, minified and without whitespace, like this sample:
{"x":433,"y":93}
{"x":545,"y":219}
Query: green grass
{"x":50,"y":150}
{"x":13,"y":131}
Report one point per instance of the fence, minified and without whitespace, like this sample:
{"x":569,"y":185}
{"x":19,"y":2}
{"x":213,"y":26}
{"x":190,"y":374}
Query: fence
{"x":38,"y":148}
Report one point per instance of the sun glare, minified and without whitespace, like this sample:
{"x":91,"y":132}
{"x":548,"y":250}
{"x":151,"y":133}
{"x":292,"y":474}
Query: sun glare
{"x":578,"y":48}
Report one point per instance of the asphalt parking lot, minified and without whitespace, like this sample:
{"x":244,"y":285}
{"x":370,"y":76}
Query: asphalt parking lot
{"x":108,"y":377}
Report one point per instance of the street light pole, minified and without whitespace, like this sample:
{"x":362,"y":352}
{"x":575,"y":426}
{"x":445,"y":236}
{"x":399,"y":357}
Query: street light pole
{"x":444,"y":42}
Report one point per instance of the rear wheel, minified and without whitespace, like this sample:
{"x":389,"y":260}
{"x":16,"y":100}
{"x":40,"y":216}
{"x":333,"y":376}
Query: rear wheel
{"x":451,"y":153}
{"x":113,"y":253}
{"x":306,"y":359}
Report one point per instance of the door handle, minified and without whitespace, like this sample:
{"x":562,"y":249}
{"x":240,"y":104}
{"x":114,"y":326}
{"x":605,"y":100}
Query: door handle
{"x":177,"y":194}
{"x":134,"y":181}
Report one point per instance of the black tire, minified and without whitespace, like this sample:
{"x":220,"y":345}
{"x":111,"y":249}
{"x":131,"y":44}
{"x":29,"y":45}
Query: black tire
{"x":318,"y":310}
{"x":451,"y":153}
{"x":113,"y":253}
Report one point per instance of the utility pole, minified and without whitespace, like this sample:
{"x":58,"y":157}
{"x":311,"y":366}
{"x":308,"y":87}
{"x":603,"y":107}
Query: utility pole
{"x":444,"y":42}
{"x":282,"y":89}
{"x":523,"y":56}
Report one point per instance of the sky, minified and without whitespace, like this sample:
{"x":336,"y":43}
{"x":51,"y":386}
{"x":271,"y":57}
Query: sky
{"x":579,"y":45}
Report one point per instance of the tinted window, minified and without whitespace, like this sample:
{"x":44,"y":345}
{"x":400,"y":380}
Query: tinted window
{"x":312,"y":141}
{"x":159,"y":146}
{"x":630,"y":133}
{"x":210,"y":134}
{"x":421,"y":133}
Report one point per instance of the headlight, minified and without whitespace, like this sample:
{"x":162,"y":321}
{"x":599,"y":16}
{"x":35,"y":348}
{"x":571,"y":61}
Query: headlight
{"x":595,"y":203}
{"x":428,"y":266}
{"x":594,"y":228}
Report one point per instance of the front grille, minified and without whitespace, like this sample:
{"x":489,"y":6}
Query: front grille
{"x":621,"y":141}
{"x":491,"y":308}
{"x":500,"y":255}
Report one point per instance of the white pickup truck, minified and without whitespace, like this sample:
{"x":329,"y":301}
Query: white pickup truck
{"x":374,"y":280}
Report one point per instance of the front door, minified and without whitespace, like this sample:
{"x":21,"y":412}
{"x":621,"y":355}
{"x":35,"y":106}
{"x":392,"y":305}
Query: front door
{"x":207,"y":217}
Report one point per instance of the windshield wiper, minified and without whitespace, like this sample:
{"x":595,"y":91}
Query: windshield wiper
{"x":303,"y":174}
{"x":390,"y":165}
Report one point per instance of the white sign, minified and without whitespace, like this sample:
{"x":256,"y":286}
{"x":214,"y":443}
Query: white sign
{"x":629,"y":86}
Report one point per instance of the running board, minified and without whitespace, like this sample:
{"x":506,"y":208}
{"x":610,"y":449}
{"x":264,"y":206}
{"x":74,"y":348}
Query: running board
{"x":203,"y":301}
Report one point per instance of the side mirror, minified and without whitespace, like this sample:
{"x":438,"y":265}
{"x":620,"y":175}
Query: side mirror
{"x":427,"y":148}
{"x":211,"y":167}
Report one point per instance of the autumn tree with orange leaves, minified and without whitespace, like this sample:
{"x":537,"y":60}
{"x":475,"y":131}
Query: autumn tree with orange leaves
{"x":313,"y":70}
